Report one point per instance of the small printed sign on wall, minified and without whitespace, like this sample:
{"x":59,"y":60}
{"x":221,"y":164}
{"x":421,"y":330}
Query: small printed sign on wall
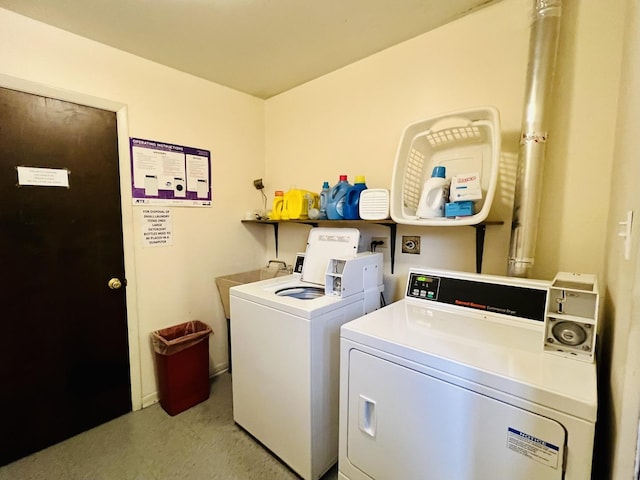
{"x":156,"y":227}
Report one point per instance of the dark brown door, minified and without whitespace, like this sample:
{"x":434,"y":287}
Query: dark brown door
{"x":64,"y":361}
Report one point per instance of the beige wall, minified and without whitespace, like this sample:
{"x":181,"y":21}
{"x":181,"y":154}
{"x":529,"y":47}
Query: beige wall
{"x":622,"y":314}
{"x":176,"y":283}
{"x":575,"y":198}
{"x":350,"y":121}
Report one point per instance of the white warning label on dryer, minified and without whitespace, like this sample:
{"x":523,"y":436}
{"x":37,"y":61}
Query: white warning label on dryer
{"x":532,"y":447}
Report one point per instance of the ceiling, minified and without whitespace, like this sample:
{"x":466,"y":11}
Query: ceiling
{"x":260,"y":47}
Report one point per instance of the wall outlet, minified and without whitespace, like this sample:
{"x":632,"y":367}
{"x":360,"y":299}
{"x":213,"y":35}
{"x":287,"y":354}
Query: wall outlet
{"x":411,"y":244}
{"x":384,"y":244}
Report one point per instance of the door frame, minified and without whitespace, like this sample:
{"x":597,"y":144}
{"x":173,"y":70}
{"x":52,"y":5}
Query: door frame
{"x":120,"y":109}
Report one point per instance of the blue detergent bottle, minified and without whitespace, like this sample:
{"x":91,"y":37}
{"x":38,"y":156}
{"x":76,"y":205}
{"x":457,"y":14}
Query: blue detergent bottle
{"x":351,"y":209}
{"x":324,"y":197}
{"x":335,"y":200}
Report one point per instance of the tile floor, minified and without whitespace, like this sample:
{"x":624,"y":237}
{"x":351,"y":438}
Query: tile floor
{"x":201,"y":443}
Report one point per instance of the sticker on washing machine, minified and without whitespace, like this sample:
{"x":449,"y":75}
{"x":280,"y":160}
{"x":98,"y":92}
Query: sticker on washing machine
{"x":533,"y":448}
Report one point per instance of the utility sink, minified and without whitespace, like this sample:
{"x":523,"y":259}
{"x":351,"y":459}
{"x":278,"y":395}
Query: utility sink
{"x":224,"y":283}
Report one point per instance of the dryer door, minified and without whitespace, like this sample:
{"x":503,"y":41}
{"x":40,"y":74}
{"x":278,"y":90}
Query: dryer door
{"x":405,"y":424}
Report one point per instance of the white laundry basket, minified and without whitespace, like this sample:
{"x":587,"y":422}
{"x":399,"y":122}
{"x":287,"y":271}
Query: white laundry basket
{"x":465,"y":141}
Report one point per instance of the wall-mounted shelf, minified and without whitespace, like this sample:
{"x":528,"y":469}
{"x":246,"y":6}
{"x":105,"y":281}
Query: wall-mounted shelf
{"x":390,"y":224}
{"x":335,"y":223}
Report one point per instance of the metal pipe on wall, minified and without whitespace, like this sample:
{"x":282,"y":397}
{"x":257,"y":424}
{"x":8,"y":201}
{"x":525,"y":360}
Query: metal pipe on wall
{"x":543,"y":46}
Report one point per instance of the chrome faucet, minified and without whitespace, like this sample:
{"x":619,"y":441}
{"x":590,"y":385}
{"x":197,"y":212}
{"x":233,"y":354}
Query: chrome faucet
{"x":284,"y":264}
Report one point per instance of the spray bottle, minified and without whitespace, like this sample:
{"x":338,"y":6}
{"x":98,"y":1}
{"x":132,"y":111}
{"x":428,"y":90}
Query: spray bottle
{"x":324,"y":196}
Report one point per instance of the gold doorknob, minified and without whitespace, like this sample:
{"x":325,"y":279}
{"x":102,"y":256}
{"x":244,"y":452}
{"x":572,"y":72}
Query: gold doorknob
{"x":115,"y":283}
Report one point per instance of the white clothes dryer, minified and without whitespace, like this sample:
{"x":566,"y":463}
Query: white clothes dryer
{"x":285,"y":335}
{"x":452,"y":382}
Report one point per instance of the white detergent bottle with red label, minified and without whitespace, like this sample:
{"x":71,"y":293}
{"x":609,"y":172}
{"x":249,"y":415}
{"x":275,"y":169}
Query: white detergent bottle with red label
{"x":435,"y":194}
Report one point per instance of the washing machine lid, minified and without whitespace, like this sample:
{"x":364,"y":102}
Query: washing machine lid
{"x":264,"y":293}
{"x":324,"y":244}
{"x":486,"y":349}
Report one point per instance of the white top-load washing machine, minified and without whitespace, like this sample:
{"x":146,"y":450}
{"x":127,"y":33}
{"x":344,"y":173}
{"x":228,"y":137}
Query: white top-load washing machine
{"x":452,"y":382}
{"x":285,"y":339}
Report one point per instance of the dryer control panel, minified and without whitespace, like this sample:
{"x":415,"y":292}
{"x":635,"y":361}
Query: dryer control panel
{"x":423,"y":286}
{"x":515,"y":297}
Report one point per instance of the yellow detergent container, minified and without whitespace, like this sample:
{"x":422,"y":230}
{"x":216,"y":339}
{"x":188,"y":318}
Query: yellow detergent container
{"x":278,"y":203}
{"x":296,"y":204}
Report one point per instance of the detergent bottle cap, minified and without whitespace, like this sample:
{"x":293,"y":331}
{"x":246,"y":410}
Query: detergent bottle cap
{"x":343,"y":178}
{"x":279,"y":193}
{"x":439,"y":172}
{"x":360,"y":179}
{"x":325,"y":184}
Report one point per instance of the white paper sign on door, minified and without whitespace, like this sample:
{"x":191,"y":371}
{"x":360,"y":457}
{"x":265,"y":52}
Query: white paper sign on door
{"x":43,"y":177}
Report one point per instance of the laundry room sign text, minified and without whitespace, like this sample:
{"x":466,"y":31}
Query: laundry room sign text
{"x":167,"y":174}
{"x":534,"y":448}
{"x":156,"y":227}
{"x":43,"y":177}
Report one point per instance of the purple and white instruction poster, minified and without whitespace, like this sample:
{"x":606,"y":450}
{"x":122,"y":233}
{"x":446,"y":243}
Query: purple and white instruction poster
{"x":167,"y":174}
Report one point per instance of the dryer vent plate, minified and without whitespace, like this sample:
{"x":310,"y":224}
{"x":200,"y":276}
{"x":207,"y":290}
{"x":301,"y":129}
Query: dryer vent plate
{"x":374,"y":204}
{"x":411,"y":244}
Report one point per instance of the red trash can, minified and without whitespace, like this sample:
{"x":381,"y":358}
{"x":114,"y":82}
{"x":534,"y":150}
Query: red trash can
{"x":182,"y":365}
